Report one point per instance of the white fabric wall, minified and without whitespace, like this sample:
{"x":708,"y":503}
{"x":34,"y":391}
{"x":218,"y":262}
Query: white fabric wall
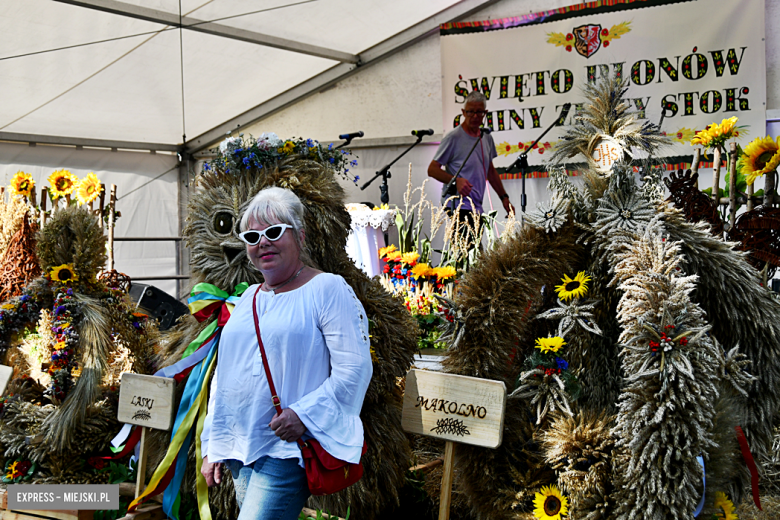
{"x":152,"y":210}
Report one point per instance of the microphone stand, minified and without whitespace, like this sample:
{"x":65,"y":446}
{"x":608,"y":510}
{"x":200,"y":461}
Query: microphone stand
{"x":345,"y":143}
{"x":522,"y":163}
{"x":385,"y":174}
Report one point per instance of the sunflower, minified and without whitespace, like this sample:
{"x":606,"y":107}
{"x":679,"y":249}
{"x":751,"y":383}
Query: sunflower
{"x":88,"y":189}
{"x":63,"y":273}
{"x":384,"y":251}
{"x":288,"y":148}
{"x":722,"y":503}
{"x":717,"y":134}
{"x":22,"y":184}
{"x":422,"y":270}
{"x":761,"y":156}
{"x":573,"y":288}
{"x":410,"y":258}
{"x":62,"y":183}
{"x":553,"y":344}
{"x":550,"y":504}
{"x":445,"y":272}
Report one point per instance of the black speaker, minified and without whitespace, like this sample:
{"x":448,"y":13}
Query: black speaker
{"x":158,"y":304}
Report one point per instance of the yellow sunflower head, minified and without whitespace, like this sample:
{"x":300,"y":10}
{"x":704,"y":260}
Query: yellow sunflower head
{"x":553,"y":344}
{"x":724,"y":508}
{"x":288,"y":148}
{"x":88,"y":189}
{"x":63,"y":273}
{"x":422,"y":270}
{"x":385,"y":251}
{"x":550,"y":504}
{"x":761,"y":156}
{"x":410,"y":258}
{"x":22,"y":184}
{"x":573,"y":287}
{"x":62,"y":183}
{"x":702,"y":137}
{"x":445,"y":272}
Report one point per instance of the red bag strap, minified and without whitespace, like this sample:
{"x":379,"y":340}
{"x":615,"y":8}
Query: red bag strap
{"x":274,"y":396}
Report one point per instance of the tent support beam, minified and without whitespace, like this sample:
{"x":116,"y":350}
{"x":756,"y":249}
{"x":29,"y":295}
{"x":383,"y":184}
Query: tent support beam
{"x":330,"y":77}
{"x":34,"y":139}
{"x":215,"y":29}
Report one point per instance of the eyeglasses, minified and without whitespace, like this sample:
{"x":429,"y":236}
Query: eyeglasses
{"x":475,"y":112}
{"x":273,"y":233}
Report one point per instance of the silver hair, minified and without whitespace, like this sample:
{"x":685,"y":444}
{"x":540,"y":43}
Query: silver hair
{"x":280,"y":205}
{"x":475,"y":96}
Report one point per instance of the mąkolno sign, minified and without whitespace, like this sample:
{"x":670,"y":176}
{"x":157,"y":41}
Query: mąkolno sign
{"x":146,"y":401}
{"x":462,"y":409}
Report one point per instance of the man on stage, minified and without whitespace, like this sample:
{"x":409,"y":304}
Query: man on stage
{"x":471,"y":182}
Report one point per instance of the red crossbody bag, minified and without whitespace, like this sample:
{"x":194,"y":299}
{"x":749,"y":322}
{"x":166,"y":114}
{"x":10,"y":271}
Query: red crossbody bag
{"x":325,"y":473}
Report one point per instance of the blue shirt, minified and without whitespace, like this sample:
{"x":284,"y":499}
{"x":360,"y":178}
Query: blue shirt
{"x":316,"y":340}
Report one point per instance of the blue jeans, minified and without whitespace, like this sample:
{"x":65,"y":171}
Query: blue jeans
{"x":269,"y":489}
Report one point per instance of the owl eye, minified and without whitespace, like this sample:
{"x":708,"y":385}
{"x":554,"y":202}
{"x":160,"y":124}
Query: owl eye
{"x":223,"y":222}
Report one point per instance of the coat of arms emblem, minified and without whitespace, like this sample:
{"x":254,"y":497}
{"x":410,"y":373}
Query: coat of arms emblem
{"x":588,"y":39}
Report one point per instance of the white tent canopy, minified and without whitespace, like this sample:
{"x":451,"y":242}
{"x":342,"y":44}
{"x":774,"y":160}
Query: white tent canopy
{"x":150,"y":82}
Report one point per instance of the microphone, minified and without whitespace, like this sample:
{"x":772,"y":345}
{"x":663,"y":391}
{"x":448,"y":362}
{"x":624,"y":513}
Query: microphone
{"x":564,"y":113}
{"x":351,"y":136}
{"x":420,"y":133}
{"x":485,"y":130}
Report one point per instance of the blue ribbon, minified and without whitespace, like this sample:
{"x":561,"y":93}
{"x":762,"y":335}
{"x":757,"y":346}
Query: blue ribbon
{"x":191,"y":394}
{"x":703,"y":486}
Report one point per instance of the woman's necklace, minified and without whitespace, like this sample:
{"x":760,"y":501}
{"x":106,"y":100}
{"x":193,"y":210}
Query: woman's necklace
{"x":290,"y":279}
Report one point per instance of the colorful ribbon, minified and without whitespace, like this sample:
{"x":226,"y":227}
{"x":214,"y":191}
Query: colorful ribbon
{"x":197,"y":362}
{"x":703,"y":486}
{"x":751,"y":464}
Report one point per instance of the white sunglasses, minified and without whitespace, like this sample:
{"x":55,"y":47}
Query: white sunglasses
{"x":273,"y":233}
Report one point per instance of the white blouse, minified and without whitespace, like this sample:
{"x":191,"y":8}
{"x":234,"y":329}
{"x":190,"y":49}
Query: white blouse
{"x":316,"y":340}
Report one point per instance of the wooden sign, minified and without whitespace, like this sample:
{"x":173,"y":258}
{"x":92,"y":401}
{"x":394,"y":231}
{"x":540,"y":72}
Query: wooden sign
{"x":5,"y":375}
{"x":146,"y":401}
{"x":456,"y":408}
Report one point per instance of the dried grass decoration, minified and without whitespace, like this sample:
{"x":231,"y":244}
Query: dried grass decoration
{"x":67,"y":368}
{"x":221,"y":194}
{"x":677,"y":345}
{"x":20,"y":263}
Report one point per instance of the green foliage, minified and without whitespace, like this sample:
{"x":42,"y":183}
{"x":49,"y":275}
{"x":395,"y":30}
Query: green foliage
{"x":113,"y":514}
{"x":119,"y":473}
{"x":549,"y":361}
{"x":320,"y":515}
{"x":429,"y":325}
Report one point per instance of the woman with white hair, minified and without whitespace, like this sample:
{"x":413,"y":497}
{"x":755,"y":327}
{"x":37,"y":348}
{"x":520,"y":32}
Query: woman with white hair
{"x":315,"y":334}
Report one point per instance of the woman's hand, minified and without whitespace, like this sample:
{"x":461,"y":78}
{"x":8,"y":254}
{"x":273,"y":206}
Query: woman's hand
{"x":287,"y":426}
{"x":212,"y":472}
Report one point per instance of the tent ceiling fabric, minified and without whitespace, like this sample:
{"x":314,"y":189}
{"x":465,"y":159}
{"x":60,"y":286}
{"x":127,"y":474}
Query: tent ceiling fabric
{"x":130,"y":89}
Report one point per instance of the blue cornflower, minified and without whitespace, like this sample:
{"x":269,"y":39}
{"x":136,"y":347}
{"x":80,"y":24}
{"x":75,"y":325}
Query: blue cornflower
{"x":206,"y":166}
{"x":357,"y":178}
{"x":70,"y":291}
{"x":309,"y":143}
{"x":562,"y":363}
{"x":246,"y":161}
{"x":332,"y":160}
{"x":25,"y":297}
{"x":330,"y":146}
{"x":60,"y":310}
{"x":353,"y":162}
{"x":404,"y":271}
{"x":346,"y":170}
{"x":259,"y":166}
{"x":237,"y":150}
{"x":252,"y":155}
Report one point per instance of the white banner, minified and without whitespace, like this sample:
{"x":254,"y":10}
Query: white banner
{"x":699,"y":62}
